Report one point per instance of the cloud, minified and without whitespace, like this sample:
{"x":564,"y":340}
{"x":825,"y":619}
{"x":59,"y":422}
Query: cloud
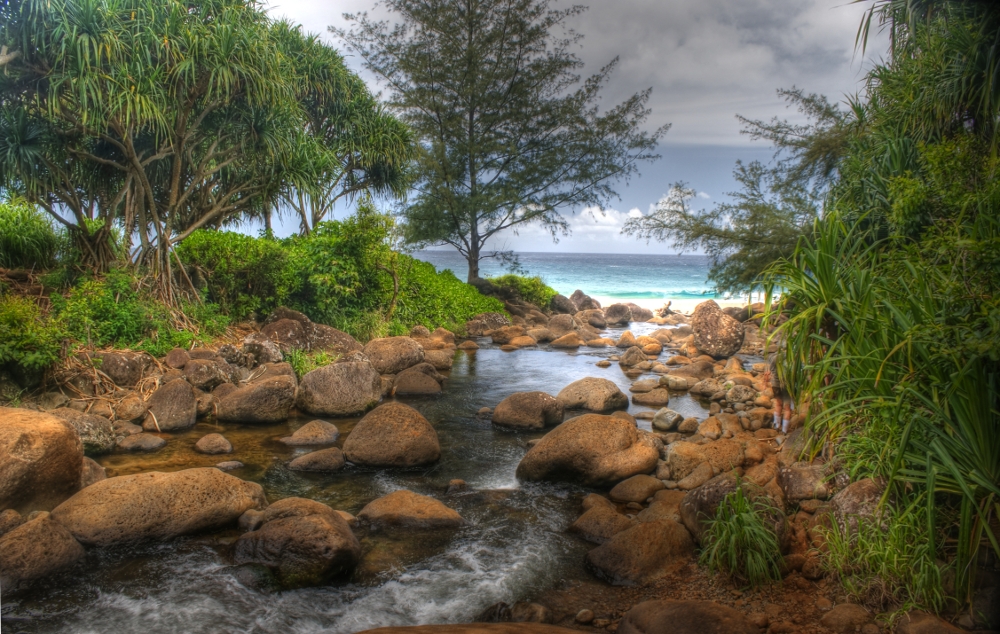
{"x":634,"y":213}
{"x":704,"y":196}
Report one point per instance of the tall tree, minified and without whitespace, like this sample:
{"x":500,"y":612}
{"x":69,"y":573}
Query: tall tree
{"x":509,"y":134}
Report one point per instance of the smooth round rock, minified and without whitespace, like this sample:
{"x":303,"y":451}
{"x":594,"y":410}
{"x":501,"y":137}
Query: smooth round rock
{"x":213,"y":444}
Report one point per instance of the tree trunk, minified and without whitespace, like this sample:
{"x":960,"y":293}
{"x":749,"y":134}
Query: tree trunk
{"x":473,"y":259}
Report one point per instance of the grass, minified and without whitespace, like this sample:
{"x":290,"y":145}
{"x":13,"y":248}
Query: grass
{"x":740,"y":541}
{"x":27,"y":237}
{"x":304,"y":362}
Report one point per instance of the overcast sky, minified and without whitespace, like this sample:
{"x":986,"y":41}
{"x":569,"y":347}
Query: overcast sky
{"x":706,"y":60}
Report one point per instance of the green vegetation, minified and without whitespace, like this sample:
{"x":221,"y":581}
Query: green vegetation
{"x":303,"y":362}
{"x":509,"y":133}
{"x":27,"y":238}
{"x":26,"y":339}
{"x":740,"y":540}
{"x":530,"y":289}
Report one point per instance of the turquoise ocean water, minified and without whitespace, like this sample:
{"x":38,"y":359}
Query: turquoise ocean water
{"x":625,"y":277}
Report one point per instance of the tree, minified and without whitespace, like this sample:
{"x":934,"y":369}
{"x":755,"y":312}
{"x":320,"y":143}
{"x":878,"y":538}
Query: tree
{"x":508,"y":134}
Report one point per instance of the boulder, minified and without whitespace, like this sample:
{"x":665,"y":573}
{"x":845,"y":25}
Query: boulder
{"x":698,"y":370}
{"x":701,"y":474}
{"x":289,"y":334}
{"x":331,"y":459}
{"x":600,"y":523}
{"x":9,"y":520}
{"x":266,"y":400}
{"x":176,"y":359}
{"x":716,"y":333}
{"x":632,"y":357}
{"x":36,"y":549}
{"x":213,"y":444}
{"x":303,"y":542}
{"x":261,"y":349}
{"x":141,"y":442}
{"x":157,"y":506}
{"x":803,"y":481}
{"x":644,"y":385}
{"x":528,"y":410}
{"x":206,"y":374}
{"x":392,"y":355}
{"x":617,"y":315}
{"x":845,"y":618}
{"x":440,"y":359}
{"x":393,"y":435}
{"x":666,"y":505}
{"x":699,"y":505}
{"x":591,"y":450}
{"x":283,"y":312}
{"x":916,"y":622}
{"x":685,"y":617}
{"x":317,"y":432}
{"x":97,"y":433}
{"x":593,"y":394}
{"x":724,"y":454}
{"x":506,"y":334}
{"x":322,"y":337}
{"x":666,"y":419}
{"x":407,"y":509}
{"x":569,"y":340}
{"x":646,"y":552}
{"x":172,"y":407}
{"x":683,"y":458}
{"x":563,"y":305}
{"x":638,"y":488}
{"x":91,"y":472}
{"x":418,"y":381}
{"x":41,"y":460}
{"x":340,"y":389}
{"x":654,"y":398}
{"x":639,"y":313}
{"x":584,"y":301}
{"x":592,"y":317}
{"x":560,"y":325}
{"x":741,"y":394}
{"x":124,"y":368}
{"x":857,"y":501}
{"x":130,"y":408}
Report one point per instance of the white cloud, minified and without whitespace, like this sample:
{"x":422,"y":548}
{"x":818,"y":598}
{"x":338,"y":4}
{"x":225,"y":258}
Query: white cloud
{"x":634,"y":213}
{"x":704,"y":195}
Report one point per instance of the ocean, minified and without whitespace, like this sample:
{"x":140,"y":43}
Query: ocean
{"x":647,"y":280}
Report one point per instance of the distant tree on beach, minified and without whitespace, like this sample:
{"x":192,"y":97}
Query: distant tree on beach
{"x":509,"y":134}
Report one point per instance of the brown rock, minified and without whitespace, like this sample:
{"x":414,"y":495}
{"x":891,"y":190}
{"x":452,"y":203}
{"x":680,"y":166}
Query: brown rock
{"x":528,"y":410}
{"x":393,"y":435}
{"x":699,"y":506}
{"x":36,"y":549}
{"x":131,"y":408}
{"x":287,"y":333}
{"x":643,"y":553}
{"x":9,"y":520}
{"x":124,"y":368}
{"x":632,"y":357}
{"x":410,"y":510}
{"x":469,"y":346}
{"x":685,"y":617}
{"x":262,"y":401}
{"x":916,"y":622}
{"x":569,"y":340}
{"x":626,"y":341}
{"x":392,"y":355}
{"x":617,"y":315}
{"x":41,"y":460}
{"x":440,"y":359}
{"x":600,"y":523}
{"x":177,"y":359}
{"x":91,"y":472}
{"x":97,"y":433}
{"x":594,"y":394}
{"x":317,"y":432}
{"x":803,"y":481}
{"x":638,"y":488}
{"x":473,"y":628}
{"x":213,"y":444}
{"x":172,"y":407}
{"x":205,"y":374}
{"x":141,"y":442}
{"x":592,"y":450}
{"x":323,"y":337}
{"x":331,"y":459}
{"x":715,"y":333}
{"x":340,"y":389}
{"x":157,"y":506}
{"x":654,"y":398}
{"x":845,"y":618}
{"x":416,"y":381}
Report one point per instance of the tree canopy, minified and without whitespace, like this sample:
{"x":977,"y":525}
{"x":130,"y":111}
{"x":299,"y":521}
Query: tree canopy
{"x":508,"y":132}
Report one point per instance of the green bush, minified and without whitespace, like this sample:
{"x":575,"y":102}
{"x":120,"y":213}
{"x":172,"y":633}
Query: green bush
{"x":242,"y":274}
{"x":304,"y":362}
{"x":530,"y":289}
{"x":740,"y":540}
{"x":435,"y":299}
{"x":27,"y":338}
{"x":27,"y":238}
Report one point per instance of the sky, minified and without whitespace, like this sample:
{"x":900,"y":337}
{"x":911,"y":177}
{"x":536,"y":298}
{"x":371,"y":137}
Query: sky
{"x":706,"y":61}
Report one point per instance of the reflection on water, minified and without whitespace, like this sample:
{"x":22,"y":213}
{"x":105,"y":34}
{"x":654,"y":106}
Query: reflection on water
{"x":513,"y":546}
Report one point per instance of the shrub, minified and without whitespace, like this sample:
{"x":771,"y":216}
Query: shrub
{"x":304,"y":362}
{"x":27,"y":237}
{"x":530,"y":289}
{"x":435,"y":299}
{"x":740,"y":540}
{"x":27,"y":338}
{"x":241,"y":274}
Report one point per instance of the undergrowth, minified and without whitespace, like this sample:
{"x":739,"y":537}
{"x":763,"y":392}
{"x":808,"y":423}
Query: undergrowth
{"x":740,"y":540}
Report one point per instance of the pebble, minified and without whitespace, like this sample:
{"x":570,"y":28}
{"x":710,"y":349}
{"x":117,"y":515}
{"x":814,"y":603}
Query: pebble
{"x":824,"y":604}
{"x":583,"y":617}
{"x":603,"y":364}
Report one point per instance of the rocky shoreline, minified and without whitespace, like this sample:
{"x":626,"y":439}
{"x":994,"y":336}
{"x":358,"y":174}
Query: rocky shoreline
{"x":652,"y":489}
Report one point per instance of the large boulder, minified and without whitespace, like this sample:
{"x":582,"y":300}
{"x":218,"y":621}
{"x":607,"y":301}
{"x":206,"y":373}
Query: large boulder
{"x":172,"y":407}
{"x":206,"y":374}
{"x":317,"y":432}
{"x":562,"y":305}
{"x":617,"y":315}
{"x":593,"y":394}
{"x":600,"y":523}
{"x":41,"y":460}
{"x":857,"y":501}
{"x":393,"y":435}
{"x":340,"y":389}
{"x":716,"y":333}
{"x":528,"y":410}
{"x":685,"y":617}
{"x":289,"y":334}
{"x":591,"y":450}
{"x":638,"y":488}
{"x":36,"y":549}
{"x":632,"y":357}
{"x":584,"y":301}
{"x":409,"y":510}
{"x":97,"y":433}
{"x":420,"y":380}
{"x":263,"y":401}
{"x":392,"y":355}
{"x":322,"y":337}
{"x":303,"y":542}
{"x":560,"y":325}
{"x":803,"y":481}
{"x":124,"y":368}
{"x":639,"y":313}
{"x":646,"y":552}
{"x":157,"y":506}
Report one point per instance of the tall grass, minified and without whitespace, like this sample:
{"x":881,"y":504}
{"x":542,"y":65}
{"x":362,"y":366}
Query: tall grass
{"x":898,"y":356}
{"x":740,"y":540}
{"x":27,"y":237}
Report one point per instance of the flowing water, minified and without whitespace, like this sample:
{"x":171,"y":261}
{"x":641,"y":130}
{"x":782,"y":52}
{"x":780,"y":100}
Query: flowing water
{"x":513,"y":547}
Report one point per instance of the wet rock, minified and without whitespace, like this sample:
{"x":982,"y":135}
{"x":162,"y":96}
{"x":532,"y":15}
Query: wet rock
{"x":331,"y":459}
{"x":592,"y":450}
{"x":655,"y":398}
{"x":213,"y":444}
{"x":91,"y":472}
{"x":632,"y":357}
{"x":593,"y":394}
{"x":469,"y":346}
{"x":266,"y":400}
{"x":845,"y":618}
{"x":229,"y":465}
{"x":262,"y":349}
{"x":41,"y":459}
{"x":392,"y":355}
{"x":130,"y":408}
{"x":340,"y":389}
{"x":407,"y":509}
{"x":716,"y":333}
{"x":666,"y":419}
{"x":96,"y":432}
{"x":317,"y":432}
{"x":638,"y":488}
{"x":418,"y":381}
{"x":440,"y":359}
{"x":528,"y":410}
{"x":141,"y":442}
{"x":563,"y":305}
{"x":393,"y":435}
{"x":617,"y":315}
{"x":641,"y":554}
{"x":600,"y":523}
{"x":685,"y":617}
{"x":303,"y":542}
{"x":803,"y":481}
{"x":569,"y":340}
{"x":172,"y":407}
{"x":36,"y":549}
{"x":157,"y":506}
